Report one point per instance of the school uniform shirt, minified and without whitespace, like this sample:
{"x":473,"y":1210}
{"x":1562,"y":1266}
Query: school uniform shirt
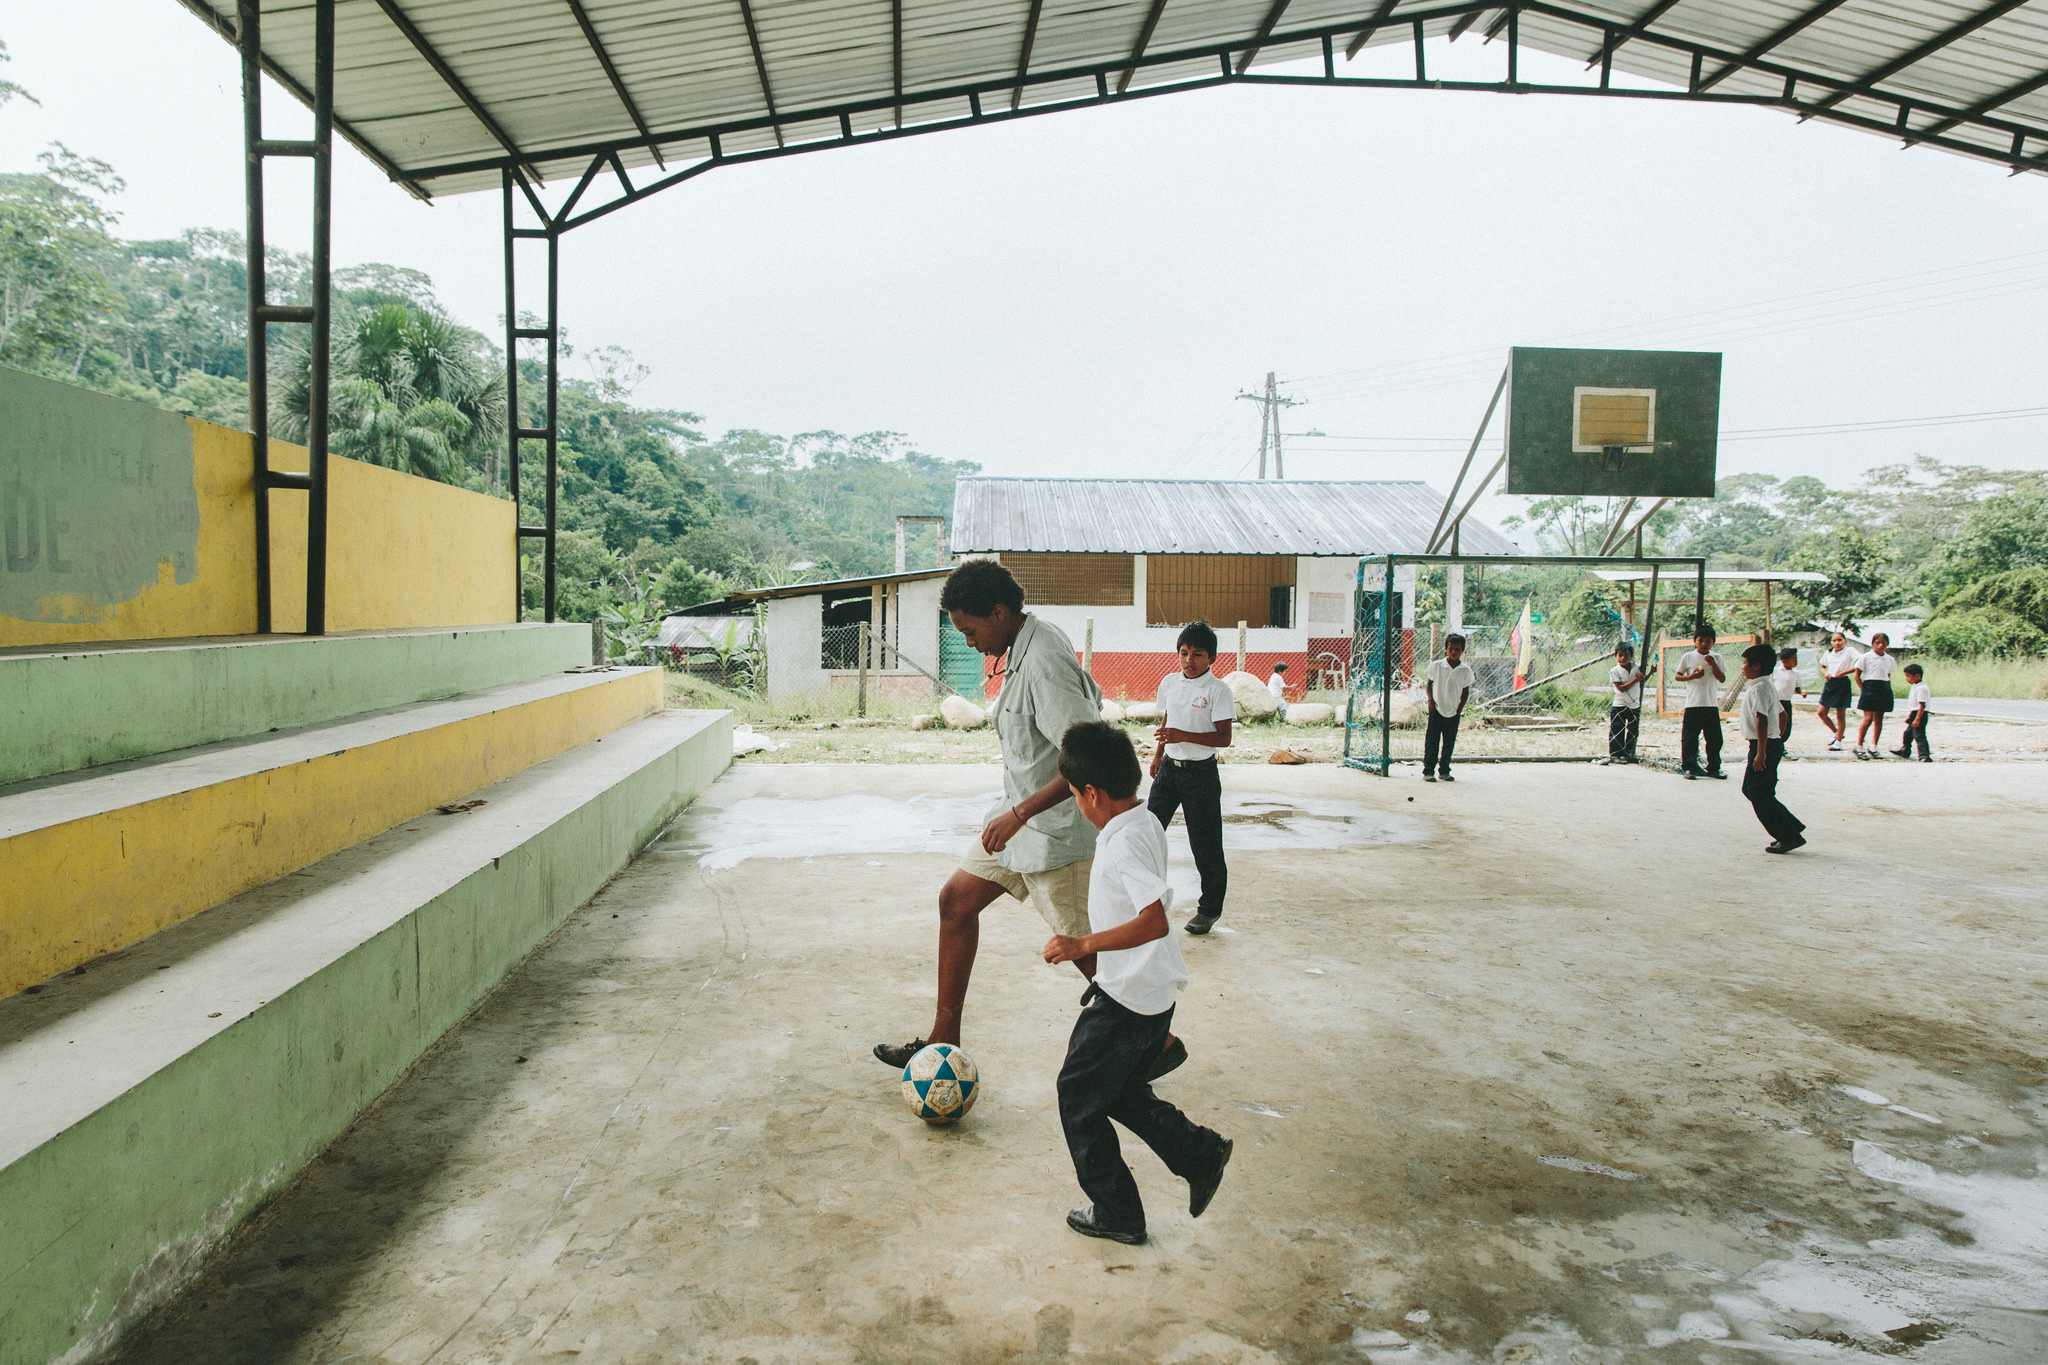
{"x":1631,"y":698}
{"x":1761,"y":717}
{"x":1786,"y":681}
{"x":1277,"y":685}
{"x":1448,"y":684}
{"x":1194,"y":705}
{"x":1706,"y":689}
{"x":1838,"y":663}
{"x":1921,"y":695}
{"x":1129,"y":874}
{"x":1877,"y":667}
{"x":1044,"y":692}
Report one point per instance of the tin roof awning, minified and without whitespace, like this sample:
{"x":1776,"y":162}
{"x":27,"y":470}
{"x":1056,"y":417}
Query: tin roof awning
{"x":448,"y":95}
{"x":1718,"y":576}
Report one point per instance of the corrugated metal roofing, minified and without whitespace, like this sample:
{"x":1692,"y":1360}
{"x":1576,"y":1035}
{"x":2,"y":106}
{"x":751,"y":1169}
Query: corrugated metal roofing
{"x":700,"y":79}
{"x":1220,"y":517}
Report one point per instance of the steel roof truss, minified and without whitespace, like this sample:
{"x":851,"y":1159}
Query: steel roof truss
{"x":1124,"y":70}
{"x":604,"y":59}
{"x":761,"y":67}
{"x":1372,"y":25}
{"x":1266,"y":27}
{"x":1813,"y":14}
{"x":455,"y":84}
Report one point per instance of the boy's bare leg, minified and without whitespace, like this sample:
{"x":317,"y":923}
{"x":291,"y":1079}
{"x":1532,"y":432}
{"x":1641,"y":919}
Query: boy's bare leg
{"x":961,"y":901}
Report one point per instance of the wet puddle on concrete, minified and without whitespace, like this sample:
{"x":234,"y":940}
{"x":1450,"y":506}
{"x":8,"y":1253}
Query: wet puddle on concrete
{"x":792,"y":827}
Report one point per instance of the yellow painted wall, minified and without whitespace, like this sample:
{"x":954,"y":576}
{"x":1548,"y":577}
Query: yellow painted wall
{"x":402,"y":551}
{"x":97,"y":884}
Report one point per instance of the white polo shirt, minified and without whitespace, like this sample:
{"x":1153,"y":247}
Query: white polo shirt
{"x":1839,"y":663}
{"x":1129,"y":874}
{"x":1877,"y":667}
{"x":1786,"y":681}
{"x":1704,"y":690}
{"x":1628,"y":698}
{"x":1448,"y":684}
{"x":1195,"y":705}
{"x":1761,"y":716}
{"x":1921,"y":695}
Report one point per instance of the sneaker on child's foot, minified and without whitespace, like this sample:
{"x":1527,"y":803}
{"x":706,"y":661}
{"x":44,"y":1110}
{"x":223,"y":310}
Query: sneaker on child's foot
{"x":1082,"y":1220}
{"x":1201,"y":923}
{"x":1429,"y":777}
{"x":1834,"y":746}
{"x":1202,"y":1190}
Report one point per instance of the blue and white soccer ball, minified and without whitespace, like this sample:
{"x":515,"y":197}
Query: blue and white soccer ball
{"x":940,"y":1083}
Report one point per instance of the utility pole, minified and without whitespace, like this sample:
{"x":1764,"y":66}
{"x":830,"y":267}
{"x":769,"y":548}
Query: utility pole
{"x":1271,"y":403}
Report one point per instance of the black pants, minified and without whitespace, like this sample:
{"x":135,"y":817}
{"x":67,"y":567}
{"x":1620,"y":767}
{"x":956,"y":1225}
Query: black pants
{"x":1915,"y":734}
{"x":1442,"y":731}
{"x":1762,"y":790}
{"x":1624,"y":723}
{"x":1104,"y":1079}
{"x":1700,"y":720}
{"x":1194,"y":788}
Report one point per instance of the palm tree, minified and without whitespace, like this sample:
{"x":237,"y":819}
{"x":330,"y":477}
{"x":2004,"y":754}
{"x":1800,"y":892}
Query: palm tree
{"x":409,"y":391}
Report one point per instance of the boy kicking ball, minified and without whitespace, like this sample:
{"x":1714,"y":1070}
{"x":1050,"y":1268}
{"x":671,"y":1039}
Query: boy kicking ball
{"x":1128,"y":1009}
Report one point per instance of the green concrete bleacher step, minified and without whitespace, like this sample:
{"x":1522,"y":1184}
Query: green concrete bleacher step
{"x":151,"y":1103}
{"x":101,"y":858}
{"x":64,"y":707}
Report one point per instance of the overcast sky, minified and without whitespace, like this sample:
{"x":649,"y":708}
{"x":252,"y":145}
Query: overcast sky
{"x":1083,"y":294}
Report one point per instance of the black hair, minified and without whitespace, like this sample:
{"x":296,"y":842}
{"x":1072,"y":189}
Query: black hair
{"x":1759,"y":657}
{"x":978,"y":587}
{"x":1097,"y":754}
{"x":1197,"y":635}
{"x":1454,"y":639}
{"x":1280,"y":665}
{"x":1880,"y":636}
{"x":1702,"y":628}
{"x":1625,"y":648}
{"x":1789,"y":654}
{"x":1915,"y":671}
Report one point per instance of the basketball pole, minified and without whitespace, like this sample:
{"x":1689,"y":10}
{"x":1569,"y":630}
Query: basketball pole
{"x":1436,"y":535}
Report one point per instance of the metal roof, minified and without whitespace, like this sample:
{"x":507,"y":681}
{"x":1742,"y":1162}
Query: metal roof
{"x":448,"y":95}
{"x":1203,"y":517}
{"x":824,"y":586}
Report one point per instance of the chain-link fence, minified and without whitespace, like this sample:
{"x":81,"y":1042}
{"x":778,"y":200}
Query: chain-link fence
{"x":1539,"y":635}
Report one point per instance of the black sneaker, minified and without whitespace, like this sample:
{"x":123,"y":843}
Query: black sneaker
{"x":1201,"y":1191}
{"x":1201,"y":923}
{"x":1718,"y":775}
{"x":1899,"y":753}
{"x":898,"y":1055}
{"x":1082,"y":1220}
{"x":1429,"y":777}
{"x":1170,"y":1058}
{"x":1691,"y":775}
{"x":1446,"y":777}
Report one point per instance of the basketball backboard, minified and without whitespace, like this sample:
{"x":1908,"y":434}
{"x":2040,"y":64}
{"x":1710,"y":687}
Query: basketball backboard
{"x":1613,"y":423}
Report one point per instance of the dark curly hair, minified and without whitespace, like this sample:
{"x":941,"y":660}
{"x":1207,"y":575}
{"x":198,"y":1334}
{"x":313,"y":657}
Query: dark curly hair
{"x":979,"y":586}
{"x":1096,"y":754}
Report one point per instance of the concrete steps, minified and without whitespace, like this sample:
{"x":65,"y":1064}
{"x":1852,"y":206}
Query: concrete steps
{"x":150,"y":1103}
{"x":73,"y":706}
{"x":100,"y":859}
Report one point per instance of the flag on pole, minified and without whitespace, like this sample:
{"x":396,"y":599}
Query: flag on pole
{"x":1518,"y":641}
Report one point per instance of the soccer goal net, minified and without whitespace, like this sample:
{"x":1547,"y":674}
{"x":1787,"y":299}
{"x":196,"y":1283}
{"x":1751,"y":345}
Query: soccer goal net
{"x":1539,"y":634}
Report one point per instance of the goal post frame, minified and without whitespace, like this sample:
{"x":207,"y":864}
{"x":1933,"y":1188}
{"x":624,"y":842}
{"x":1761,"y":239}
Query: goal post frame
{"x":1382,"y":762}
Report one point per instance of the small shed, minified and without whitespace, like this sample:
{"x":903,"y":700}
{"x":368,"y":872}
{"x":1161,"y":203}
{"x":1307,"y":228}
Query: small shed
{"x":821,"y":637}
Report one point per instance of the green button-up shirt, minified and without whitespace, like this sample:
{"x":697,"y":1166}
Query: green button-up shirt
{"x":1044,"y":692}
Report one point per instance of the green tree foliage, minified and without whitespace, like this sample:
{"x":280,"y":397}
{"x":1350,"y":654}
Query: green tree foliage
{"x":1859,"y":570}
{"x":55,"y":300}
{"x":2004,"y":615}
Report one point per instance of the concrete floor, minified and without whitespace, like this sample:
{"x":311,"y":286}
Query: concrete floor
{"x":1550,"y":1065}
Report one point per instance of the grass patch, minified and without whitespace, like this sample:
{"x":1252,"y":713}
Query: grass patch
{"x":2024,"y":679}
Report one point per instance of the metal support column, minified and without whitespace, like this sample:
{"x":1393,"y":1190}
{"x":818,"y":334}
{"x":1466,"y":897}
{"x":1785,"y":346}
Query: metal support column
{"x":319,"y":149}
{"x":516,"y":432}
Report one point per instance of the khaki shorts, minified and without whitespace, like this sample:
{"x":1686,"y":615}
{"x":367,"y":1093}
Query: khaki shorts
{"x":1060,"y":895}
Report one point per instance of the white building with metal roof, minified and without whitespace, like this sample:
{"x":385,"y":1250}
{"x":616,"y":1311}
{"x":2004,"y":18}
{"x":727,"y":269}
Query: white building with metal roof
{"x":1122,"y":564}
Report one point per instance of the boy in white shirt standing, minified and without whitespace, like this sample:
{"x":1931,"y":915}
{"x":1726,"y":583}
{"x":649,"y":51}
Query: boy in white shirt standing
{"x":1760,"y":726}
{"x":1625,"y":718}
{"x":1196,"y":709}
{"x":1702,"y":673}
{"x":1450,"y":686}
{"x":1918,"y":700}
{"x":1127,"y":1012}
{"x":1785,"y":682}
{"x":1277,"y":685}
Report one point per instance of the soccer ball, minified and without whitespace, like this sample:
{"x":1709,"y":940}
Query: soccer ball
{"x":940,"y":1083}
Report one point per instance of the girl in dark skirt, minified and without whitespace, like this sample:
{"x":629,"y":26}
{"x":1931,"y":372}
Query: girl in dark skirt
{"x":1837,"y":662}
{"x":1874,"y":675}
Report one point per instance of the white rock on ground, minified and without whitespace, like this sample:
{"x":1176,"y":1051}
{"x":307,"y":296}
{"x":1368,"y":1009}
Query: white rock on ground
{"x":1142,"y":710}
{"x":1254,"y":702}
{"x":1406,"y":709}
{"x":1311,"y":713}
{"x":923,"y":722}
{"x":1111,"y":712}
{"x":962,"y":714}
